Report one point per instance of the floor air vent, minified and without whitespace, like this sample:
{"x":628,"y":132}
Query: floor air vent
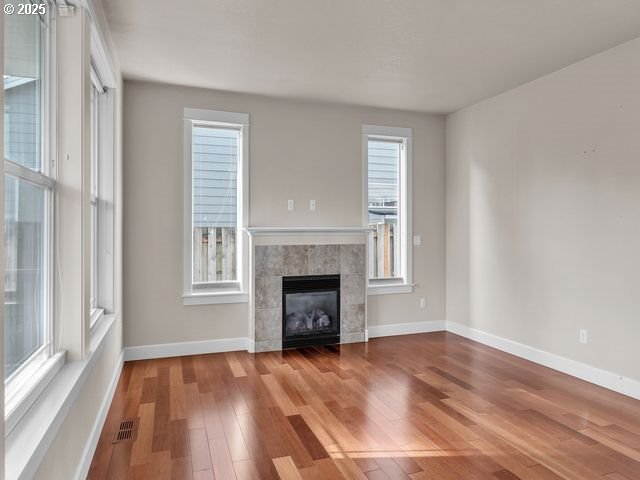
{"x":126,"y":432}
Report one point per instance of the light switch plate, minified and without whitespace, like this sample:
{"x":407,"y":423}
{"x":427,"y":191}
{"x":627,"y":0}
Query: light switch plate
{"x":312,"y":205}
{"x":290,"y":205}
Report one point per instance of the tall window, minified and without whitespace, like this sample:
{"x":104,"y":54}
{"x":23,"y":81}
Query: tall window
{"x":96,"y":91}
{"x":29,"y":187}
{"x":102,"y":193}
{"x":387,"y":153}
{"x":215,"y":156}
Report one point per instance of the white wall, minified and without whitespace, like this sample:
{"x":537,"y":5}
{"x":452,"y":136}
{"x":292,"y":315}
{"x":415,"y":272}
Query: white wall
{"x":543,"y":212}
{"x":72,"y":448}
{"x":66,"y":455}
{"x":298,"y":150}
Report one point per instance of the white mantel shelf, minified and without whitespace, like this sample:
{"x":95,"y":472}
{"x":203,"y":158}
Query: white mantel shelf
{"x":258,"y":231}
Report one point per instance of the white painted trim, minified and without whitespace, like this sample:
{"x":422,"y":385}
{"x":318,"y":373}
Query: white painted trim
{"x":405,"y":136}
{"x":384,"y":131}
{"x":187,"y":233}
{"x":216,"y":116}
{"x":29,"y":442}
{"x":24,"y":173}
{"x":99,"y":52}
{"x":597,"y":376}
{"x":405,"y":328}
{"x":87,"y":456}
{"x":258,"y":231}
{"x":389,"y":289}
{"x":95,"y":318}
{"x":193,"y":116}
{"x":24,"y":390}
{"x":214,"y":298}
{"x":163,"y":350}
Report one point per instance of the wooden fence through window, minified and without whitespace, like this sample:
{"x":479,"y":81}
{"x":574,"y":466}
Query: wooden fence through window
{"x":214,"y":254}
{"x":383,"y":261}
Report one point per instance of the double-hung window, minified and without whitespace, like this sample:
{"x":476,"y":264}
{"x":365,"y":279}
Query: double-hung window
{"x":29,"y":183}
{"x":216,"y":145}
{"x":387,"y":154}
{"x":102,"y":128}
{"x":96,"y":101}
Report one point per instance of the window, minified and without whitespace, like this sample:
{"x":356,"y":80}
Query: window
{"x":102,"y":125}
{"x":99,"y":157}
{"x":95,"y":113}
{"x":29,"y":186}
{"x":215,"y":173}
{"x":387,"y":153}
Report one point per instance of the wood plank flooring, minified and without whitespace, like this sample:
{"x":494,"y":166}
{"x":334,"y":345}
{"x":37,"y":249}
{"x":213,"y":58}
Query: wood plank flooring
{"x":429,"y":406}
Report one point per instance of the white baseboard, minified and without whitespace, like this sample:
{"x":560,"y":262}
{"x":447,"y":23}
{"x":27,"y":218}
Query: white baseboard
{"x":87,"y":457}
{"x":603,"y":378}
{"x":404,"y":328}
{"x":163,"y":350}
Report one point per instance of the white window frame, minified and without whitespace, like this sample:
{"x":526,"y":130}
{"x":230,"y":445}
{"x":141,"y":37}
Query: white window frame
{"x":23,"y":386}
{"x":96,"y":86}
{"x":103,"y":265}
{"x":220,"y":292}
{"x":403,"y":283}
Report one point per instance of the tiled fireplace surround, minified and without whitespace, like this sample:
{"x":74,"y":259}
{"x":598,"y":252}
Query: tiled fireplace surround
{"x":272,"y":262}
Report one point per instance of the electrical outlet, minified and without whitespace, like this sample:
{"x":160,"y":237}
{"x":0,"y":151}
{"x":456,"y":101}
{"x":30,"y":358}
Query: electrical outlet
{"x":423,"y":302}
{"x":583,"y":335}
{"x":290,"y":205}
{"x":312,"y":205}
{"x":417,"y":240}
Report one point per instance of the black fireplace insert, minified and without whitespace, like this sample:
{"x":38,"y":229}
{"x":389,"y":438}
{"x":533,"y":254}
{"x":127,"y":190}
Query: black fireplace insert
{"x":310,"y":310}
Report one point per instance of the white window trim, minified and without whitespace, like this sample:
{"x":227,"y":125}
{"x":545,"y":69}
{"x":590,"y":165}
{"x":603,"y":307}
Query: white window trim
{"x":225,"y":292}
{"x":404,"y":135}
{"x":28,"y":383}
{"x":25,"y":385}
{"x":28,"y":441}
{"x":95,"y":155}
{"x":96,"y":315}
{"x":103,"y":77}
{"x":57,"y":385}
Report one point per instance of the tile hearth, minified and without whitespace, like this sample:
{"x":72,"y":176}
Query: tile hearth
{"x":272,"y":262}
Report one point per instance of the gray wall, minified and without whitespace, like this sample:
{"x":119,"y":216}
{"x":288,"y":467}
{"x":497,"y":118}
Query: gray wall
{"x":298,"y":150}
{"x":543,"y":212}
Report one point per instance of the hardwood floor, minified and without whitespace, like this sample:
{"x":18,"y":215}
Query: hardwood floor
{"x":429,"y":406}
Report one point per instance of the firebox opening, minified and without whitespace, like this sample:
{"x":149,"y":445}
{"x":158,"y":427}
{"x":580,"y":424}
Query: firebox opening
{"x":311,"y":310}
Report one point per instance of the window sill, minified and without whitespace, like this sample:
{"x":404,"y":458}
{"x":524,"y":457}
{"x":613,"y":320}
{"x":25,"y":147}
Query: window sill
{"x":32,"y":383}
{"x":214,"y":298}
{"x":29,"y":441}
{"x":96,"y":317}
{"x":390,"y":288}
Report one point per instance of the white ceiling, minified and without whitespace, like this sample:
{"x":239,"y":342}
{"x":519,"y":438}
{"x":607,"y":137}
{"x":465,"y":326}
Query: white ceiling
{"x":425,"y":55}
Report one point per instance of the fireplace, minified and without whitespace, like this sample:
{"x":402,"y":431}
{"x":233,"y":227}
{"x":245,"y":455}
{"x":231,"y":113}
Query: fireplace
{"x":310,"y":310}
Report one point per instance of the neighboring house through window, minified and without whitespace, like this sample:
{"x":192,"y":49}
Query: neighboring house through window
{"x":387,"y":154}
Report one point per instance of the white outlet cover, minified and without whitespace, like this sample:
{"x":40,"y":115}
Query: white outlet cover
{"x":423,"y":302}
{"x":312,"y":205}
{"x":417,"y":239}
{"x":583,"y":336}
{"x":290,"y":205}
